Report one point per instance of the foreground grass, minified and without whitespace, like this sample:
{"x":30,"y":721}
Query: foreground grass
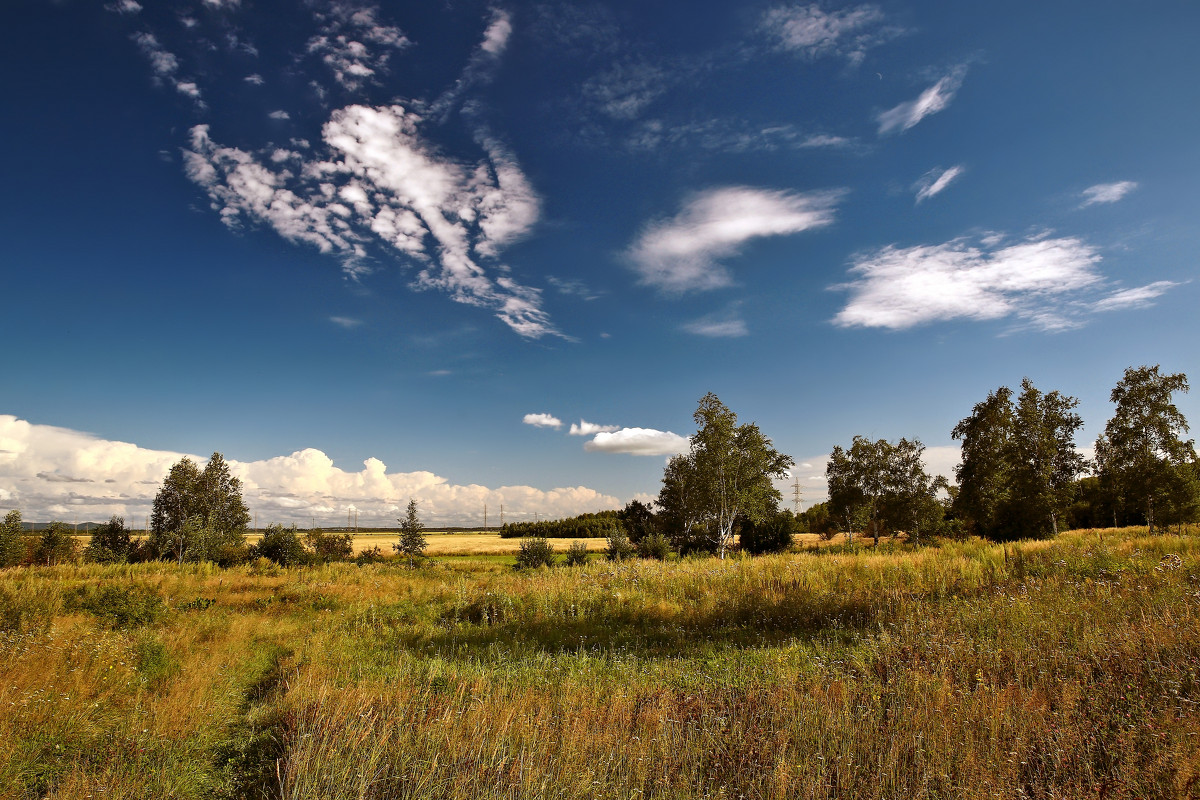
{"x":1064,"y":669}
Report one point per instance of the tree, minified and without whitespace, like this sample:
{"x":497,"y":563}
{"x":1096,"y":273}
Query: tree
{"x":111,"y":543}
{"x":328,"y":547}
{"x":412,"y":537}
{"x":983,"y":469}
{"x":883,"y":486}
{"x":1141,"y":456}
{"x":1045,"y":463}
{"x":727,"y":474}
{"x":12,"y":540}
{"x":198,"y":513}
{"x":56,"y":546}
{"x":1019,"y":465}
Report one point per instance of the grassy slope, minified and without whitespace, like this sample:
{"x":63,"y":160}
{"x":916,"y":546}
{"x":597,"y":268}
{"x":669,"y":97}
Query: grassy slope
{"x":1065,"y":669}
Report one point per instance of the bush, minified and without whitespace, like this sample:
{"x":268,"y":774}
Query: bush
{"x":328,"y":547}
{"x":577,"y":554}
{"x":619,"y":546}
{"x":535,"y":551}
{"x":371,"y":556}
{"x":118,"y":606}
{"x":655,"y":546}
{"x":772,"y":535}
{"x":282,"y":545}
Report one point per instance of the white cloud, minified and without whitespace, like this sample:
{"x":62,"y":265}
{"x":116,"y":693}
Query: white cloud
{"x":725,"y":324}
{"x":222,"y":4}
{"x":935,"y":181}
{"x":162,"y":62}
{"x":381,"y":181}
{"x":591,"y":429}
{"x":1139,"y":297}
{"x":681,"y":254}
{"x":542,"y":420}
{"x":627,"y":89}
{"x":813,"y":33}
{"x":279,"y":114}
{"x":346,"y":322}
{"x":354,"y":44}
{"x":728,"y":135}
{"x":124,"y":7}
{"x":930,"y":101}
{"x":1034,"y":280}
{"x":638,"y":442}
{"x":56,"y":473}
{"x":255,"y":79}
{"x":1106,"y":192}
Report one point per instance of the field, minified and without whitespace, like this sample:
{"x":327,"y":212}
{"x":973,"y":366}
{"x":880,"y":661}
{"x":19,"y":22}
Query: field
{"x":1063,"y":669}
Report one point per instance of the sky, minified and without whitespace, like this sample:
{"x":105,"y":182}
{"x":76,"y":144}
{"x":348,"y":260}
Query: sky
{"x":493,"y":254}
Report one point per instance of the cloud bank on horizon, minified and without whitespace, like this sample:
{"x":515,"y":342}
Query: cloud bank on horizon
{"x":55,"y":473}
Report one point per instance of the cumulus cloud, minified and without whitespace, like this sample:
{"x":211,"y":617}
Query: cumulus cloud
{"x":812,"y":32}
{"x":279,"y":114}
{"x":380,"y":182}
{"x":591,"y":429}
{"x":56,"y":473}
{"x":935,"y":181}
{"x":165,"y":64}
{"x":542,"y":420}
{"x":638,"y":442}
{"x":1106,"y":192}
{"x":930,"y":101}
{"x":681,"y":254}
{"x":124,"y":7}
{"x":353,"y":44}
{"x":1035,"y":280}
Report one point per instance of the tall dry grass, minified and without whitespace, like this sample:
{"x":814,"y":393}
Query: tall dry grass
{"x":1050,"y":669}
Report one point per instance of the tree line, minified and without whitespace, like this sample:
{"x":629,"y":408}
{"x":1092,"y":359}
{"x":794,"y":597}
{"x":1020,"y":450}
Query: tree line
{"x":1020,"y":475}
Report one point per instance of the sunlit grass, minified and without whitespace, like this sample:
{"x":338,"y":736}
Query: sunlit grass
{"x":1046,"y":669}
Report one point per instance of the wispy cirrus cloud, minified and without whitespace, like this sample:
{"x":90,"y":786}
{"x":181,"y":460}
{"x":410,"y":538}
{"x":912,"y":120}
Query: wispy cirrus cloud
{"x":1103,"y":193}
{"x":812,"y":32}
{"x":542,"y":420}
{"x":935,"y":181}
{"x":932,"y":100}
{"x":638,"y":442}
{"x":682,"y":254}
{"x":1137,"y":297}
{"x":1050,"y":284}
{"x":725,"y":324}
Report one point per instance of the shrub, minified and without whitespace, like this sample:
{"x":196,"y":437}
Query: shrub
{"x":328,"y":547}
{"x":577,"y":554}
{"x":118,"y":606}
{"x":371,"y":556}
{"x":619,"y":546}
{"x":772,"y":535}
{"x":535,"y":551}
{"x":655,"y":546}
{"x":282,"y":545}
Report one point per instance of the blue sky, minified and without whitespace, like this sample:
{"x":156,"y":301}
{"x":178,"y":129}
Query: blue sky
{"x":373,"y":251}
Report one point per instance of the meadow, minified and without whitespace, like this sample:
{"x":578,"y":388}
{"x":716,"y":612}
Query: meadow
{"x":1052,"y":669}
